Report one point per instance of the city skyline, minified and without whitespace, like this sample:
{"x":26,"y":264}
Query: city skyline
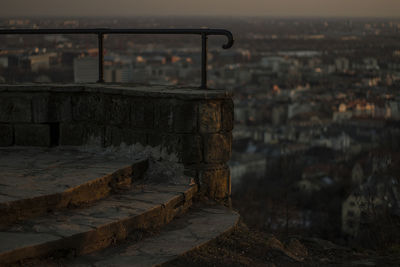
{"x":339,"y":8}
{"x":299,"y":133}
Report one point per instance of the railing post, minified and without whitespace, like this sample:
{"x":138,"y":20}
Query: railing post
{"x":203,"y":61}
{"x":100,"y":38}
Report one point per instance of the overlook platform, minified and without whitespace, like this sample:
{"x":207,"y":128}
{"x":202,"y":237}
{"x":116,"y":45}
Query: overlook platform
{"x":80,"y":201}
{"x":84,"y":168}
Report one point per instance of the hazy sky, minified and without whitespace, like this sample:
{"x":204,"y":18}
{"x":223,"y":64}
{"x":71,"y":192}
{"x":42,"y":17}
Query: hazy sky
{"x":376,"y":8}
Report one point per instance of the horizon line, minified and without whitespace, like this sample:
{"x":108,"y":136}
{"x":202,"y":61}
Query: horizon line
{"x":200,"y":15}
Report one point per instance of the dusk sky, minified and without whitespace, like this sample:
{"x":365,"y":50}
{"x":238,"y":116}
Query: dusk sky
{"x":376,"y":8}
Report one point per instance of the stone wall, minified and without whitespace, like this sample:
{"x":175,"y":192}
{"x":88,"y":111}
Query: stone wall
{"x":194,"y":125}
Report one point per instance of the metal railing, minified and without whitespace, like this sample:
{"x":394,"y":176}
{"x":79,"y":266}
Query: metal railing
{"x":100,"y":32}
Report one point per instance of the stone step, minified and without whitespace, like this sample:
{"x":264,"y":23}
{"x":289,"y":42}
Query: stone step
{"x":196,"y":228}
{"x":34,"y":181}
{"x":85,"y":230}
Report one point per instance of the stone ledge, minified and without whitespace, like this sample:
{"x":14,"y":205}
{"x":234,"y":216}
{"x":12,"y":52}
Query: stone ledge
{"x":154,"y":91}
{"x":192,"y":126}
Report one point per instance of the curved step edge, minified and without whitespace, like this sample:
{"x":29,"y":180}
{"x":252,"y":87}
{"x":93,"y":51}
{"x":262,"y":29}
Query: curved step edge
{"x":85,"y":193}
{"x":193,"y":230}
{"x":102,"y":231}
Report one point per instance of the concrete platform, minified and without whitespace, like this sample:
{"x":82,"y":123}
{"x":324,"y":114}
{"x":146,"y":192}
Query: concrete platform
{"x":36,"y":180}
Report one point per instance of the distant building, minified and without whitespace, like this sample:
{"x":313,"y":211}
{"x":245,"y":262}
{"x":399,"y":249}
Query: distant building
{"x":86,"y":70}
{"x":4,"y":62}
{"x":371,"y":64}
{"x":273,"y":63}
{"x":379,"y":194}
{"x":39,"y":62}
{"x":342,"y":64}
{"x":118,"y":74}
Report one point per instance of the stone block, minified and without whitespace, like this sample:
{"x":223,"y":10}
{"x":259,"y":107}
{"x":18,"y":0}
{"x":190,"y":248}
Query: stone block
{"x":142,"y":114}
{"x":60,"y":108}
{"x":209,"y":117}
{"x":154,"y":139}
{"x":227,"y":115}
{"x":15,"y":108}
{"x":164,"y":115}
{"x":192,"y":149}
{"x":40,"y":108}
{"x":185,"y":117}
{"x":115,"y":136}
{"x":6,"y":135}
{"x":215,"y":181}
{"x":190,"y":173}
{"x":217,"y":147}
{"x":78,"y":134}
{"x":117,"y":110}
{"x":88,"y":108}
{"x":186,"y":147}
{"x":51,"y":108}
{"x":177,"y":116}
{"x":32,"y":135}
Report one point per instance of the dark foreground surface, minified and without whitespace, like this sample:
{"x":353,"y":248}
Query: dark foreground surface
{"x":246,"y":247}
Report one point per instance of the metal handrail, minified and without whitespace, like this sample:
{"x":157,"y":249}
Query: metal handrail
{"x":100,"y":32}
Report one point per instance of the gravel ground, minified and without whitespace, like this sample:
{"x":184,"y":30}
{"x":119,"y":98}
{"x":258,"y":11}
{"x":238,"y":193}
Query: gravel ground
{"x":247,"y":247}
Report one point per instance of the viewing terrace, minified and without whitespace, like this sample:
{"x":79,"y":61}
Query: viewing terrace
{"x":87,"y":169}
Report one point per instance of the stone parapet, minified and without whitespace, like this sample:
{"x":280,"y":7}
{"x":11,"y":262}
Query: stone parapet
{"x":193,"y":125}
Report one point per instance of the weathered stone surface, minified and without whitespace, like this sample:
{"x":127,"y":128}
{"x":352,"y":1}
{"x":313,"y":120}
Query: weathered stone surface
{"x":217,"y":148}
{"x":95,"y":227}
{"x":88,"y":107}
{"x":195,"y":229}
{"x":215,"y":182}
{"x":164,"y":115}
{"x":190,"y":172}
{"x":15,"y":108}
{"x":142,"y":114}
{"x":185,"y":117}
{"x":78,"y":134}
{"x":40,"y":108}
{"x":227,"y":115}
{"x":187,"y":147}
{"x":32,"y":135}
{"x":37,"y":180}
{"x":153,"y":91}
{"x":117,"y":110}
{"x":191,"y":148}
{"x":6,"y":135}
{"x":60,"y":107}
{"x":173,"y":144}
{"x":210,"y":117}
{"x":14,"y":239}
{"x":154,"y":139}
{"x":51,"y":108}
{"x":193,"y":125}
{"x":32,"y":245}
{"x":115,"y":136}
